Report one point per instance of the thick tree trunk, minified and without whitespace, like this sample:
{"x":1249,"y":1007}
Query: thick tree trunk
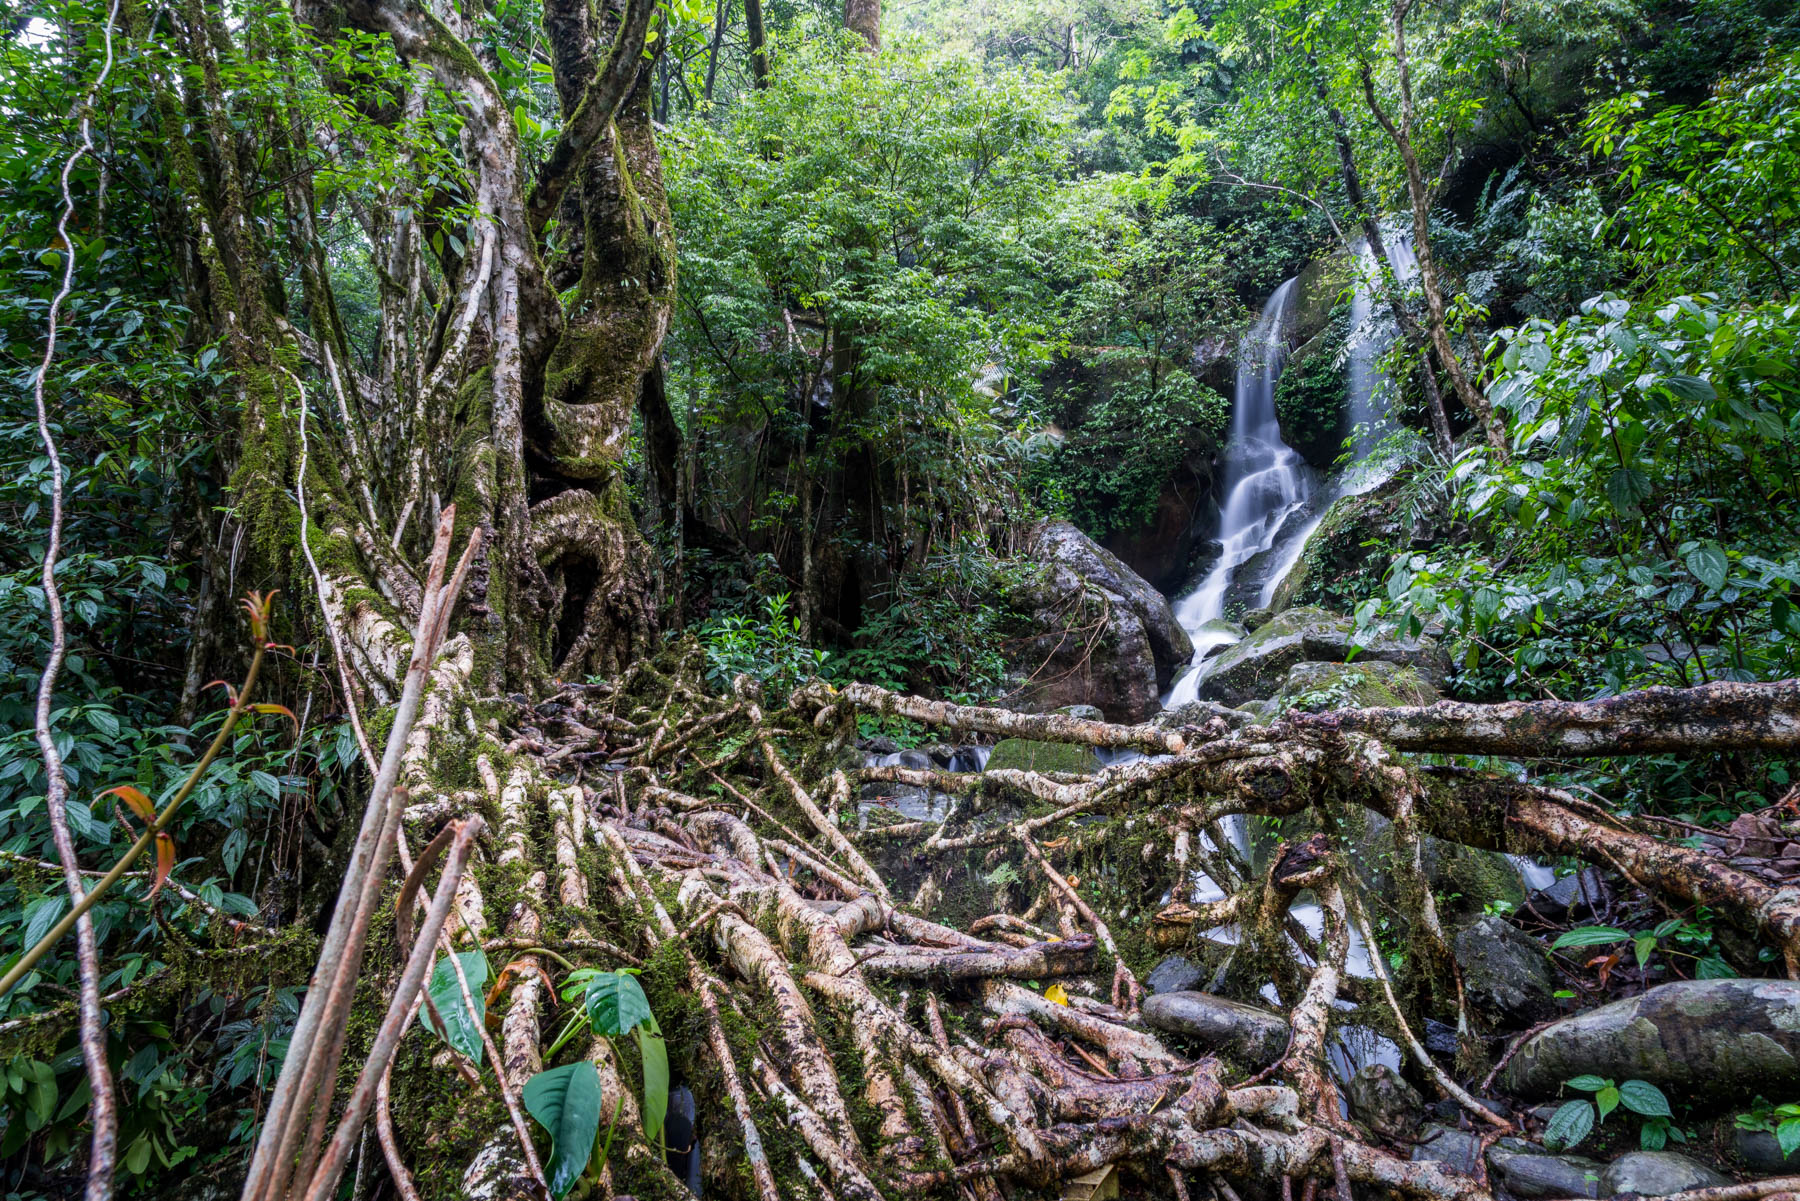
{"x":759,"y":50}
{"x":863,"y":17}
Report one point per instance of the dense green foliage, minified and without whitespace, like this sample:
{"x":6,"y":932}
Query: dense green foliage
{"x":928,"y":297}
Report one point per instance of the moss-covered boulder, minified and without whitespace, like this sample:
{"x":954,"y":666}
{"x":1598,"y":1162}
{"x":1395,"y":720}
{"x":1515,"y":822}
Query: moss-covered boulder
{"x":1338,"y":548}
{"x":1257,"y":668}
{"x":1312,"y":394}
{"x":1506,"y":975}
{"x":1123,"y":665}
{"x":1718,"y":1039}
{"x":1025,"y":754}
{"x":1364,"y":684}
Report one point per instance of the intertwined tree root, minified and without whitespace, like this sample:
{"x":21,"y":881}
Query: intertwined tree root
{"x":846,"y":1044}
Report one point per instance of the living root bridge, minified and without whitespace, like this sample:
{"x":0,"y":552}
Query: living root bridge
{"x":890,"y":1039}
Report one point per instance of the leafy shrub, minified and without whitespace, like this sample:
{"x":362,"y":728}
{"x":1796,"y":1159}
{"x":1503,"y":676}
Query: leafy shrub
{"x":1641,"y":532}
{"x":769,"y":650}
{"x":1575,"y":1120}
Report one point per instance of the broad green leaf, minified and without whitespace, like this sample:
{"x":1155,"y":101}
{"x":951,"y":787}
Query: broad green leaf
{"x":1653,"y":1136}
{"x":1606,"y":1100}
{"x":1788,"y":1135}
{"x":1714,"y":968}
{"x":1642,"y":1097}
{"x":1627,"y":488}
{"x":42,"y":914}
{"x":1588,"y":1084}
{"x":655,"y":1054}
{"x":1644,"y":945}
{"x":1691,"y":387}
{"x":615,"y":1003}
{"x":566,"y":1102}
{"x":1569,"y":1125}
{"x":1588,"y":936}
{"x":463,"y":1027}
{"x":1709,"y":565}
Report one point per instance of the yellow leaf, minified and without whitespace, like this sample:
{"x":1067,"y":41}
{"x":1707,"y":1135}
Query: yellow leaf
{"x":1055,"y":993}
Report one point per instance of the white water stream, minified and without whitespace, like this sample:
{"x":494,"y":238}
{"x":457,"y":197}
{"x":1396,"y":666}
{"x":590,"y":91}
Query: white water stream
{"x":1264,"y":483}
{"x":1272,"y":503}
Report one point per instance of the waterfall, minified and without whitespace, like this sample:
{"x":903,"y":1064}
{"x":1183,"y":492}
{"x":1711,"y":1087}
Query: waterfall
{"x":1367,"y":401}
{"x":1264,"y":481}
{"x":1370,"y":339}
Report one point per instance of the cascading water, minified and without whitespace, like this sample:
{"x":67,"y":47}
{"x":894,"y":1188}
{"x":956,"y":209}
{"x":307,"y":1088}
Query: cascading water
{"x":1265,"y":482}
{"x":1367,"y":402}
{"x":1369,"y":340}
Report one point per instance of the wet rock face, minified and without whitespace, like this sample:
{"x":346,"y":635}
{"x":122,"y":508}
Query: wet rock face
{"x":1176,"y":973}
{"x":1125,"y":669}
{"x":1505,"y":974}
{"x":1455,"y":1149}
{"x":1762,"y":1153}
{"x":1258,"y":666}
{"x":1384,"y":1102}
{"x":1527,"y":1171}
{"x":1725,"y":1039}
{"x":1657,"y":1174}
{"x":1248,"y":1036}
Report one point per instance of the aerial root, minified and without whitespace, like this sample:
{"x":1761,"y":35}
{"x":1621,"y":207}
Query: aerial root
{"x":727,"y":831}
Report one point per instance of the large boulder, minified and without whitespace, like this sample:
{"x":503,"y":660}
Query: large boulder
{"x":1246,"y":1035}
{"x":1657,"y":1174}
{"x":1364,"y":684}
{"x":1384,"y":1102}
{"x":1257,"y":667}
{"x":1528,"y":1171}
{"x":1718,"y":1039}
{"x":1506,"y":975}
{"x":1457,"y":1150}
{"x":1176,"y":973}
{"x":1134,"y":658}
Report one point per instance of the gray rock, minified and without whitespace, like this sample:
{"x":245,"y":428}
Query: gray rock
{"x":1761,"y":1153}
{"x":1135,"y":657}
{"x":1657,"y":1174}
{"x":1230,"y":630}
{"x":1455,"y":1149}
{"x":1723,"y":1039}
{"x":1505,"y":972}
{"x":1583,"y":892}
{"x":915,"y":760}
{"x":1540,"y":1175}
{"x":1252,"y":1037}
{"x":1257,"y":666}
{"x":1083,"y":712}
{"x":1383,"y":1101}
{"x":1364,"y":684}
{"x":881,"y":744}
{"x":1176,"y":973}
{"x":1198,"y":713}
{"x":1256,"y":619}
{"x":1440,"y":1037}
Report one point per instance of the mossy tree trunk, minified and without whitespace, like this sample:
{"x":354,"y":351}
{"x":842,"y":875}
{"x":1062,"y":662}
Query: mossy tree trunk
{"x":519,"y":314}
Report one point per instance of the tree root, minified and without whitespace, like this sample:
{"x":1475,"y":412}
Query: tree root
{"x":702,"y":848}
